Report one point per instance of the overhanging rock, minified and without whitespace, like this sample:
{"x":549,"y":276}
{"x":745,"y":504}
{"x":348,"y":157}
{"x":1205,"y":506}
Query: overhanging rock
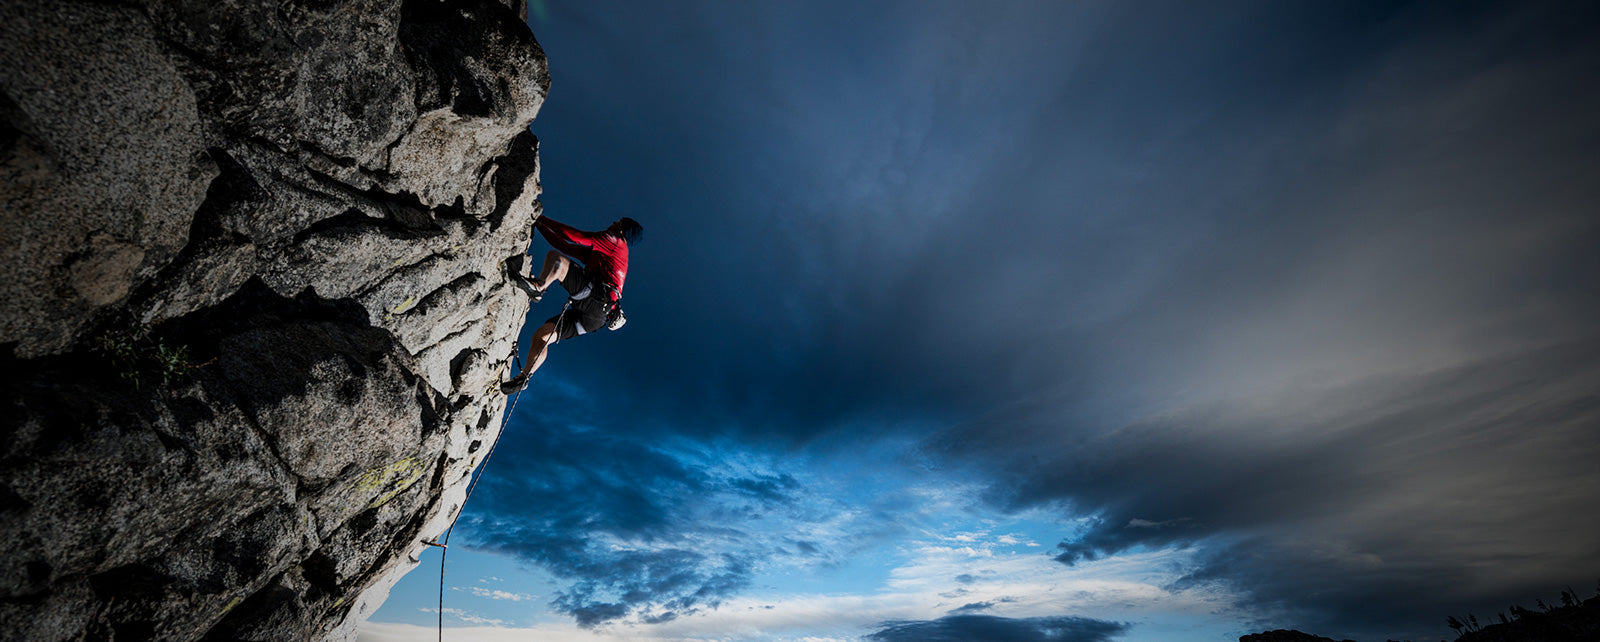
{"x":256,"y":308}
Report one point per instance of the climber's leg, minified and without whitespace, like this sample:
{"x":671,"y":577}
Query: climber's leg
{"x":556,"y":266}
{"x":542,"y":338}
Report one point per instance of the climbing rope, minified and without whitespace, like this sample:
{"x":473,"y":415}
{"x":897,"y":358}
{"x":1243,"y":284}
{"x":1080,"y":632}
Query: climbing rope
{"x":444,"y":543}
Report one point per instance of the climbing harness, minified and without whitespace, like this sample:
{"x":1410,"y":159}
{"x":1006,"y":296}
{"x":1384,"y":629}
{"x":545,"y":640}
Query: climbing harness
{"x":614,"y":316}
{"x":613,"y":303}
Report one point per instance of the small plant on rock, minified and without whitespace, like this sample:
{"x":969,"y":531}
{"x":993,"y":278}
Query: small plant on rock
{"x":141,"y":359}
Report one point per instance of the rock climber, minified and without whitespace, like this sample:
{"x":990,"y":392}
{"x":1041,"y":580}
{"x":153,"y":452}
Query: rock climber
{"x":591,"y":267}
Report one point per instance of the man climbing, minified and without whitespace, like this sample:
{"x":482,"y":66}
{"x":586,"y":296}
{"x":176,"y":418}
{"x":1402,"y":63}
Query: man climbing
{"x":591,"y":267}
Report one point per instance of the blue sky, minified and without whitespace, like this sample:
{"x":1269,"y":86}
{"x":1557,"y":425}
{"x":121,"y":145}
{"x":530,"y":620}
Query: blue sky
{"x":1064,"y":320}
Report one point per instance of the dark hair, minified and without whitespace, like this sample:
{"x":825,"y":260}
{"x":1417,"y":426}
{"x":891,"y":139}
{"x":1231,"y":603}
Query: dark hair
{"x":630,"y":230}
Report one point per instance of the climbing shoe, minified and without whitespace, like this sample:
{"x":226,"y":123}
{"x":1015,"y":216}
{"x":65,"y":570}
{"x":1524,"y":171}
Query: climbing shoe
{"x":516,"y":384}
{"x":534,"y":294}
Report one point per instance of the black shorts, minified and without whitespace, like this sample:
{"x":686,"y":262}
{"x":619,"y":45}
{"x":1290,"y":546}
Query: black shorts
{"x":586,"y":306}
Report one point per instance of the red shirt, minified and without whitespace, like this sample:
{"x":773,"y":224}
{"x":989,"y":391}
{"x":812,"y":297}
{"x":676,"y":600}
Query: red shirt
{"x":604,"y":255}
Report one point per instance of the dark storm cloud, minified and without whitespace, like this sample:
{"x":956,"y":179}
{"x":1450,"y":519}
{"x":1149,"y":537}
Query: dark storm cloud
{"x":898,"y":213}
{"x":632,"y":530}
{"x":1365,"y":393}
{"x":1375,"y":505}
{"x":962,"y":628}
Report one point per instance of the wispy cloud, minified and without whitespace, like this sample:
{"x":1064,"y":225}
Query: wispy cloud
{"x":468,"y":617}
{"x":495,"y":594}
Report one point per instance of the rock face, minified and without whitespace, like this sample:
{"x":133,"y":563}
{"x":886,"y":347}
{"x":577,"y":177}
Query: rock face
{"x":254,"y":306}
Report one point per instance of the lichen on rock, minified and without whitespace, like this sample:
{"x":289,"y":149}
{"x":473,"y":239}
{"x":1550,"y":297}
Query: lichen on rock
{"x":307,"y":208}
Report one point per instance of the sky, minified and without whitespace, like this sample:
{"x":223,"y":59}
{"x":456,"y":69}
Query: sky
{"x":1087,"y":321}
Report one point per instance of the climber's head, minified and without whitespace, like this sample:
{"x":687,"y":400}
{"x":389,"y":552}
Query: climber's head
{"x":630,"y":230}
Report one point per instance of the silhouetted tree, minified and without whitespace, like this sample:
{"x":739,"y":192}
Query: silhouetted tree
{"x":1454,"y":624}
{"x":1473,"y":620}
{"x":1503,"y":619}
{"x":1569,"y":597}
{"x":1542,"y":606}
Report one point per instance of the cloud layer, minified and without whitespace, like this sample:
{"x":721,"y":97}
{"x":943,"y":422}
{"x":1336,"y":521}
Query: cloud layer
{"x":632,"y":530}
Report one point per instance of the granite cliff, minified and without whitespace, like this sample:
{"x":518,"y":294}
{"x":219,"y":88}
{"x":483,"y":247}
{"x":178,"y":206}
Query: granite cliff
{"x":254,"y":305}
